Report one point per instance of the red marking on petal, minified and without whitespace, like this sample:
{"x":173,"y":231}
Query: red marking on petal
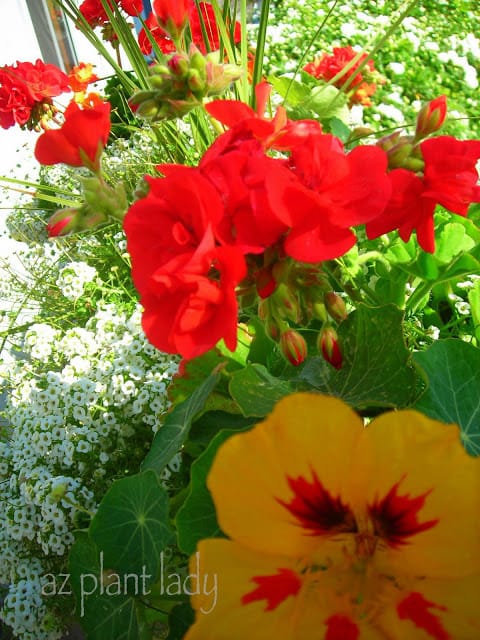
{"x":416,"y":608}
{"x":341,"y":628}
{"x":274,"y":589}
{"x":317,"y":510}
{"x":395,"y":517}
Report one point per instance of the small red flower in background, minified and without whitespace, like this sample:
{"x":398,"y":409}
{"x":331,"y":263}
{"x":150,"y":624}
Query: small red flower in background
{"x":326,"y":67}
{"x":81,"y":139}
{"x":95,"y":14}
{"x":172,"y":15}
{"x":26,"y":92}
{"x":81,"y":76}
{"x":195,"y":20}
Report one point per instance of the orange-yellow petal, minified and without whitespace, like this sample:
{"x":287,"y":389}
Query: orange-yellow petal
{"x":287,"y":486}
{"x":436,"y":610}
{"x":431,"y":519}
{"x":263,"y":596}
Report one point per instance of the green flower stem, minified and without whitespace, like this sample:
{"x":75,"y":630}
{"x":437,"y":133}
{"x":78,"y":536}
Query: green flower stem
{"x":260,"y":49}
{"x":417,"y":296}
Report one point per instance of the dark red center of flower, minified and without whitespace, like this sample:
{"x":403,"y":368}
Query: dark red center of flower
{"x":395,"y":517}
{"x":316,"y":509}
{"x":274,"y":589}
{"x":417,"y":609}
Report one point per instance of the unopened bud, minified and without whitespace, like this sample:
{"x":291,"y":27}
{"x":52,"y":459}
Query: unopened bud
{"x":281,"y":270}
{"x":398,"y":155}
{"x":63,"y":222}
{"x":431,"y":117}
{"x":195,"y":81}
{"x":178,"y":64}
{"x":387,"y":142}
{"x":293,"y":346}
{"x":329,"y":347}
{"x":335,"y":306}
{"x":265,"y":282}
{"x":286,"y":303}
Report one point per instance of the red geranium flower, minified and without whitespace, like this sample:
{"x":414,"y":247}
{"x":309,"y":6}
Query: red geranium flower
{"x":15,"y":101}
{"x":190,"y":303}
{"x":450,"y":179}
{"x":81,"y":139}
{"x":43,"y":81}
{"x":175,"y":218}
{"x":239,"y":175}
{"x":172,"y":15}
{"x":165,"y":44}
{"x":337,"y":191}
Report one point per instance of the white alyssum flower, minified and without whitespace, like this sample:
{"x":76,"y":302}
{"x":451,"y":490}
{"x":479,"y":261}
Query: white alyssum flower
{"x":81,"y":401}
{"x":73,"y":277}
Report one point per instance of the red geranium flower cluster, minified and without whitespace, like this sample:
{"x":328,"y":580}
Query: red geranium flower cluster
{"x":266,"y":221}
{"x":326,"y":67}
{"x":26,"y":92}
{"x":196,"y":19}
{"x":200,"y":231}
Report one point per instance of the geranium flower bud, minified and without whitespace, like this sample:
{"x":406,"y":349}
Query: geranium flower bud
{"x":329,"y":347}
{"x":63,"y":222}
{"x":178,"y":64}
{"x":195,"y":81}
{"x":265,"y":282}
{"x":431,"y":117}
{"x":286,"y":303}
{"x":293,"y":346}
{"x":335,"y":306}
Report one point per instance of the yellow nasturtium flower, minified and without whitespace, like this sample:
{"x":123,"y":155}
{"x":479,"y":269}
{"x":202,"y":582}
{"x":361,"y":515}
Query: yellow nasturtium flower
{"x":342,"y":532}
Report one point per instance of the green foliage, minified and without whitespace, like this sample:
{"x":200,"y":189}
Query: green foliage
{"x":452,"y":369}
{"x":426,"y":40}
{"x":376,"y":371}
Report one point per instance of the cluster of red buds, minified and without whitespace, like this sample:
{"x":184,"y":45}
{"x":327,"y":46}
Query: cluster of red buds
{"x":293,"y":295}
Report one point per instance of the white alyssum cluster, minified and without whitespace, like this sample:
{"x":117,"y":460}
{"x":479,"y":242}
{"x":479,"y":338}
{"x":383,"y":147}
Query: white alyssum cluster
{"x":82,"y":405}
{"x":73,"y":277}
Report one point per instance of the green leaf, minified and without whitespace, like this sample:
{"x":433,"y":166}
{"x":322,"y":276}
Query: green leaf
{"x":297,"y":91}
{"x":376,"y":371}
{"x":131,"y":526}
{"x":339,"y":129}
{"x":256,"y":391}
{"x":180,"y":620}
{"x":196,"y":519}
{"x":207,"y":427}
{"x":451,"y":241}
{"x":452,"y":368}
{"x":474,"y":299}
{"x":173,"y":433}
{"x":328,"y":102}
{"x":104,"y":611}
